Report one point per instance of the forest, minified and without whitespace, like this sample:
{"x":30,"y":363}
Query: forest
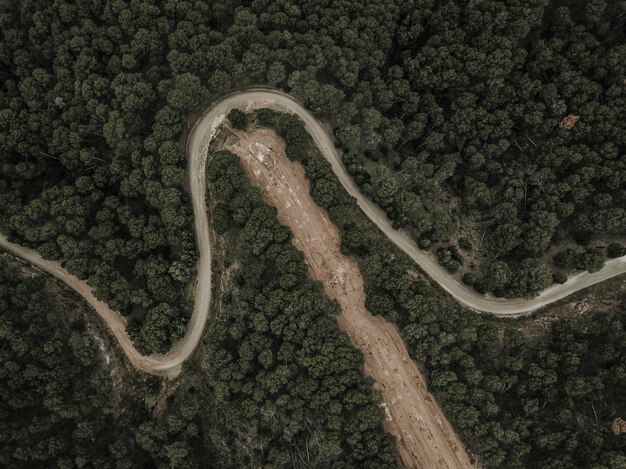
{"x":58,"y":404}
{"x":517,"y":401}
{"x":491,"y":131}
{"x":276,"y":383}
{"x":448,"y":112}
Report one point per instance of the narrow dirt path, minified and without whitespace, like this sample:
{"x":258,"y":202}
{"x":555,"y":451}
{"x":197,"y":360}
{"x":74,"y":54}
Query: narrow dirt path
{"x":424,"y":437}
{"x":257,"y":98}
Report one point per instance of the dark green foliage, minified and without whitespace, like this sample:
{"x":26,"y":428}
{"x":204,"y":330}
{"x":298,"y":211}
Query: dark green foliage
{"x":516,"y":402}
{"x":468,"y":106}
{"x":360,"y":175}
{"x":465,"y":243}
{"x":449,"y":258}
{"x":591,"y":259}
{"x":276,"y":360}
{"x":616,"y":250}
{"x":423,"y":243}
{"x":558,"y":277}
{"x":277,"y":380}
{"x":445,"y":99}
{"x":568,"y":257}
{"x":291,"y":128}
{"x":469,"y":278}
{"x":436,"y":226}
{"x":498,"y":276}
{"x":91,"y":166}
{"x":93,"y":98}
{"x":55,"y":391}
{"x":238,"y":119}
{"x":266,"y":117}
{"x":529,"y":277}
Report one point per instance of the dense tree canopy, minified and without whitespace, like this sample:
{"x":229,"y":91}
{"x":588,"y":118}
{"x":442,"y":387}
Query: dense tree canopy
{"x":516,"y":401}
{"x":282,"y":371}
{"x":431,"y":101}
{"x":504,"y":116}
{"x":446,"y":100}
{"x":57,"y":402}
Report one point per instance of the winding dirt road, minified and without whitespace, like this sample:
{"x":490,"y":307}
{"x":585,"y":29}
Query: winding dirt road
{"x":197,"y":147}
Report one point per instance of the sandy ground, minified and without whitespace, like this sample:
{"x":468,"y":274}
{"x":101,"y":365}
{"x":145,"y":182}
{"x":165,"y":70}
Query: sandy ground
{"x":424,"y":437}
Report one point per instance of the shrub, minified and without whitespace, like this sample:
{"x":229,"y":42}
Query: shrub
{"x":568,"y":257}
{"x":616,"y":250}
{"x":423,"y":243}
{"x":469,"y":279}
{"x":479,"y":286}
{"x":292,"y":129}
{"x":450,"y":258}
{"x":559,"y":277}
{"x":465,"y":243}
{"x":238,"y":119}
{"x":592,"y":259}
{"x":266,"y":117}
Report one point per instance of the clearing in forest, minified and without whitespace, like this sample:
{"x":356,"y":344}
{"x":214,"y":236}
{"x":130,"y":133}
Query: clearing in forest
{"x":424,"y":437}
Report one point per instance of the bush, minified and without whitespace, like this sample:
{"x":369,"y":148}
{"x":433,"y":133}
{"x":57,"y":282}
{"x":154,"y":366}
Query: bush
{"x":592,"y":259}
{"x":616,"y":250}
{"x":238,"y":119}
{"x":358,"y":172}
{"x":423,"y":243}
{"x":465,"y":243}
{"x":559,"y":277}
{"x":292,"y":129}
{"x":450,"y":258}
{"x":498,"y":275}
{"x":469,"y":279}
{"x":479,"y":286}
{"x":529,"y":277}
{"x":568,"y":257}
{"x":266,"y":117}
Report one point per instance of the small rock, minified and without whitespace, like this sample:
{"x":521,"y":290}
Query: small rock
{"x":618,"y":426}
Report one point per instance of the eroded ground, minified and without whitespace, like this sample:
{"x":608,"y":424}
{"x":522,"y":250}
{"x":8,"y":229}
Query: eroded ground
{"x":424,"y":437}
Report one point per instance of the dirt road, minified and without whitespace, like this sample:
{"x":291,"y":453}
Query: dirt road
{"x":197,"y":146}
{"x":260,"y":97}
{"x":115,"y":321}
{"x":424,"y":437}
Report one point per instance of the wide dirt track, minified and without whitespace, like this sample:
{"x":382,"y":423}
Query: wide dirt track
{"x":197,"y":148}
{"x":424,"y":437}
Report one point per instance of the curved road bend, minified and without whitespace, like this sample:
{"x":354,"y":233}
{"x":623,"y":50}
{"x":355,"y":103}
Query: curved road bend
{"x":257,"y":98}
{"x":203,"y":132}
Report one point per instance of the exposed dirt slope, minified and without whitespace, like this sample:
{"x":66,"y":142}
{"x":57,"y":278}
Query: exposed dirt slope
{"x":424,"y":437}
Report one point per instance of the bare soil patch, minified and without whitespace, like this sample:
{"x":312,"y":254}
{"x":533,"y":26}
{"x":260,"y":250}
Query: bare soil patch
{"x":598,"y":298}
{"x":424,"y":438}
